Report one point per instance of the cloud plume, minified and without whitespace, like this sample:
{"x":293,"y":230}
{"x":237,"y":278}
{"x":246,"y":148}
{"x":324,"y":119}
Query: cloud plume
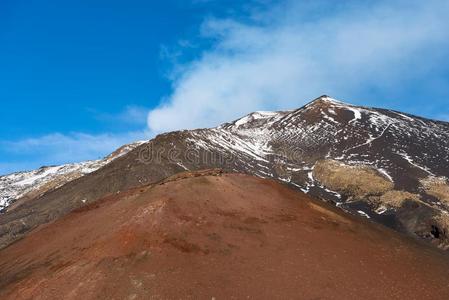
{"x":293,"y":52}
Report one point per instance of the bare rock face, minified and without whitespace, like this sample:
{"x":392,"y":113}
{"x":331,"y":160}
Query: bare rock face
{"x":367,"y":161}
{"x":215,"y":235}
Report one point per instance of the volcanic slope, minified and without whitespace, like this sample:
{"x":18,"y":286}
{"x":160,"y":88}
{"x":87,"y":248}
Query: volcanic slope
{"x":381,"y":164}
{"x":212,"y":235}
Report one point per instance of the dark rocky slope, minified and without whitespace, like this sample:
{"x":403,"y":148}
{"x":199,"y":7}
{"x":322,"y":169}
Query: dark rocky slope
{"x":380,"y":164}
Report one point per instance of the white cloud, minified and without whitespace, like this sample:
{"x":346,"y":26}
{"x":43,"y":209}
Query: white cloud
{"x":294,"y":52}
{"x":60,"y":148}
{"x":277,"y":59}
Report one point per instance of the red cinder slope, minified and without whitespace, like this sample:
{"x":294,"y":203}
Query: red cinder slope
{"x":209,"y":235}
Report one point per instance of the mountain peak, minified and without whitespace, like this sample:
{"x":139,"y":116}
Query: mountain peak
{"x":326,"y":99}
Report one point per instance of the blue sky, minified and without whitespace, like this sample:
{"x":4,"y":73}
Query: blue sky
{"x":80,"y":78}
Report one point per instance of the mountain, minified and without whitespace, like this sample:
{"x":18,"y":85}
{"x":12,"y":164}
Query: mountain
{"x":23,"y":186}
{"x":379,"y":164}
{"x":216,"y":235}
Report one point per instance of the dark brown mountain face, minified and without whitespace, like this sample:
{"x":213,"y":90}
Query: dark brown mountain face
{"x":213,"y":235}
{"x":380,"y":164}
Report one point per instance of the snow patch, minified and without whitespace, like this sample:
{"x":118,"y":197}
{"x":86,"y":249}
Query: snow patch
{"x":356,"y":112}
{"x":408,"y":158}
{"x":381,"y":210}
{"x":385,"y":173}
{"x":363,"y":214}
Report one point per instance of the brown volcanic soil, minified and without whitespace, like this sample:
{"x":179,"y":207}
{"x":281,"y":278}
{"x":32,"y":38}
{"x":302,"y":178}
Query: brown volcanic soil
{"x":218,"y":236}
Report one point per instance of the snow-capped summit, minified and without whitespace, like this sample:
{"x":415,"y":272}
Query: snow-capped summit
{"x":388,"y":166}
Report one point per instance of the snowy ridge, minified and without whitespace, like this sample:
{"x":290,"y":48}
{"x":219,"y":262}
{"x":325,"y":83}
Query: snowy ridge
{"x":255,"y":133}
{"x":397,"y":149}
{"x":17,"y":185}
{"x":286,"y":145}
